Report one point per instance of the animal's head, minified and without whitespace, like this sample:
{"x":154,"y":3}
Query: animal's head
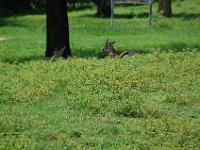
{"x":108,"y":47}
{"x":58,"y":53}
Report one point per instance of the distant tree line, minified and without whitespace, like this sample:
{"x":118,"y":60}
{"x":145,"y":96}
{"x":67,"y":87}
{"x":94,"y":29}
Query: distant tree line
{"x":14,"y":6}
{"x":17,"y":6}
{"x":79,"y":3}
{"x":103,"y":6}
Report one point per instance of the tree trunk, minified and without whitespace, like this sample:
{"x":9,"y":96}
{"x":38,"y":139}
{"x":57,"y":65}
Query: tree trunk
{"x":103,"y":8}
{"x":57,"y":35}
{"x":165,"y":7}
{"x":160,"y":5}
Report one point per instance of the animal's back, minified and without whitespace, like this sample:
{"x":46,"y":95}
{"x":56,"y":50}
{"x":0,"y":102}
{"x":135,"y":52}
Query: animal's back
{"x":127,"y":53}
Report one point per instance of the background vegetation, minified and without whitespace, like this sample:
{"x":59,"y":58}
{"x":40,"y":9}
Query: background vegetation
{"x":150,"y":101}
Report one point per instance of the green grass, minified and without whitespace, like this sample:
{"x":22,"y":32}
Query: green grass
{"x":150,"y":101}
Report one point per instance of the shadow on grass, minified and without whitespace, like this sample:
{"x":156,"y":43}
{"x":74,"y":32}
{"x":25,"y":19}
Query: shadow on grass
{"x":27,"y":58}
{"x":22,"y":59}
{"x":24,"y":12}
{"x":187,"y":16}
{"x":179,"y":47}
{"x":5,"y":22}
{"x":10,"y":23}
{"x":86,"y":53}
{"x":131,"y":15}
{"x":175,"y":46}
{"x":120,"y":16}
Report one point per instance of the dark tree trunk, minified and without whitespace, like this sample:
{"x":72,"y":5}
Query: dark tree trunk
{"x":57,"y":27}
{"x":165,"y":7}
{"x":160,"y":5}
{"x":103,"y":8}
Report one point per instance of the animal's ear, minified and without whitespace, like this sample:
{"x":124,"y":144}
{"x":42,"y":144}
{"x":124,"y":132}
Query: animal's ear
{"x":62,"y":50}
{"x":113,"y":42}
{"x":107,"y":41}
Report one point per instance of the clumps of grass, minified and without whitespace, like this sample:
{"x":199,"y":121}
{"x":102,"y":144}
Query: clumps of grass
{"x":131,"y":110}
{"x":17,"y":142}
{"x":24,"y":86}
{"x":144,"y":87}
{"x":104,"y":80}
{"x":181,"y":99}
{"x":155,"y":96}
{"x":142,"y":107}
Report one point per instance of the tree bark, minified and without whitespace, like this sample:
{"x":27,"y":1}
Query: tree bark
{"x":160,"y":5}
{"x":165,"y":7}
{"x":57,"y":34}
{"x":103,"y":8}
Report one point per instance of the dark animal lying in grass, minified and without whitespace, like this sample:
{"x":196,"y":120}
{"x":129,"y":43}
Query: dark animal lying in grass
{"x":111,"y":51}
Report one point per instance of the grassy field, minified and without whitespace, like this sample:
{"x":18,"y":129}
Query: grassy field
{"x":150,"y":101}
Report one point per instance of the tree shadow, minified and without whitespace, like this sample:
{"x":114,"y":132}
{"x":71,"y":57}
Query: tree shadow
{"x":25,"y":12}
{"x":120,"y":16}
{"x":32,"y":57}
{"x":10,"y":23}
{"x":186,"y":16}
{"x":86,"y":53}
{"x":5,"y":22}
{"x":179,"y":47}
{"x":80,"y":53}
{"x":22,"y":59}
{"x":131,"y":15}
